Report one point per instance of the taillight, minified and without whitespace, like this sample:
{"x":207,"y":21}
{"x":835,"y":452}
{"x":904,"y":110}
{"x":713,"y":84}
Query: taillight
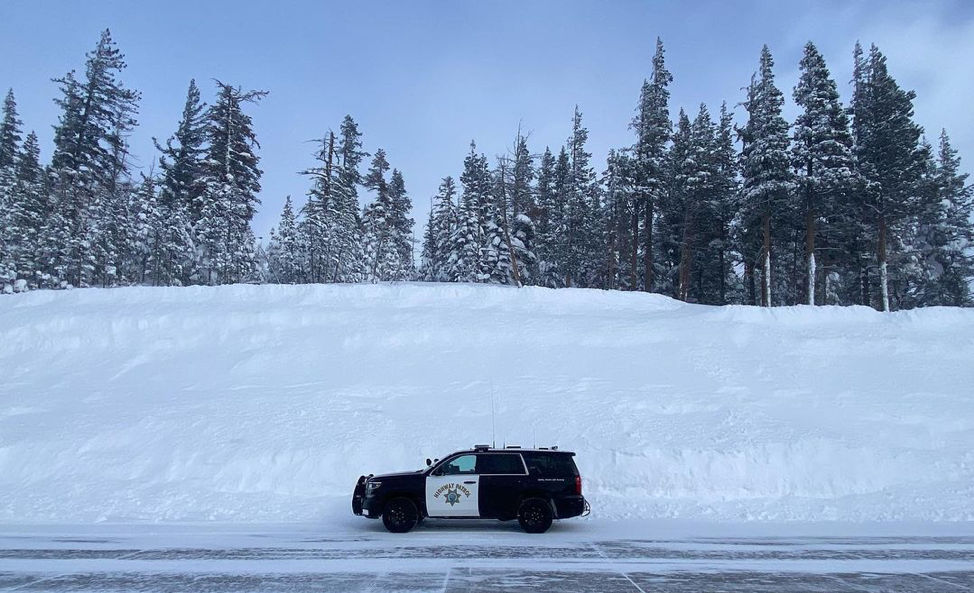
{"x":578,"y":485}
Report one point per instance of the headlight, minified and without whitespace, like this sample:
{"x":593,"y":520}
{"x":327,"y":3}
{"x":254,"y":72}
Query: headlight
{"x":373,"y":485}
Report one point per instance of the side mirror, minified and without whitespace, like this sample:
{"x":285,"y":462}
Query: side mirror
{"x":428,"y":462}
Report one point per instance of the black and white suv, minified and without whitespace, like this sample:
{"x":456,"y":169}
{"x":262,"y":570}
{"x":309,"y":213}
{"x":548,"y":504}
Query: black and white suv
{"x":534,"y":486}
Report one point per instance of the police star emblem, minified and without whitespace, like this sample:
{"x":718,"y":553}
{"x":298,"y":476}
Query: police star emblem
{"x":452,"y":497}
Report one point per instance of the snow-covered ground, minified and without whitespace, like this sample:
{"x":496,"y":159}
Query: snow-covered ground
{"x":264,"y":403}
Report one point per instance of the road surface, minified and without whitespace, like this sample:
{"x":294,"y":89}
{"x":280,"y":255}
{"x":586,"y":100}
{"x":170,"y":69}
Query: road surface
{"x":451,"y":556}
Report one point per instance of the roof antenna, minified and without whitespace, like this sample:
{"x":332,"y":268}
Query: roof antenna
{"x":493,"y":437}
{"x":534,"y":435}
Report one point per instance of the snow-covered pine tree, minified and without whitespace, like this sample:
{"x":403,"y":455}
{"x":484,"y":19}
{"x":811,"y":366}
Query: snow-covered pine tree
{"x":889,"y":156}
{"x":823,"y":161}
{"x":522,"y":211}
{"x":382,"y":254}
{"x":348,"y":259}
{"x":9,"y":146}
{"x":522,"y":175}
{"x":143,"y":233}
{"x":10,"y":130}
{"x":316,"y":227}
{"x":400,"y":229}
{"x":766,"y":165}
{"x":89,"y":157}
{"x":24,"y":215}
{"x":579,"y":232}
{"x":953,"y":250}
{"x":442,"y":223}
{"x":464,"y":261}
{"x":468,"y":240}
{"x":495,"y":257}
{"x":619,"y":210}
{"x":476,"y":208}
{"x":231,"y":180}
{"x":669,"y":215}
{"x":546,"y":220}
{"x":696,"y":175}
{"x":725,"y":204}
{"x":653,"y":129}
{"x":181,"y":186}
{"x":283,"y":252}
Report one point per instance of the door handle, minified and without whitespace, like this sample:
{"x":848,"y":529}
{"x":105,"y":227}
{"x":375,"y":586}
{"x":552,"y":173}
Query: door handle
{"x":470,"y":482}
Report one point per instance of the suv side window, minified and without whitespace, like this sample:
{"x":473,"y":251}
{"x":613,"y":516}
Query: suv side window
{"x":557,"y":465}
{"x":464,"y":464}
{"x":500,"y":464}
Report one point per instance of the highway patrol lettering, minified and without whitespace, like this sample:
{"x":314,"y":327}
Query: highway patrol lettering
{"x":452,"y":493}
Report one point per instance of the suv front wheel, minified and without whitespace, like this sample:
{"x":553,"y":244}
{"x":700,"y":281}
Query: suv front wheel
{"x":400,"y":515}
{"x":534,"y":515}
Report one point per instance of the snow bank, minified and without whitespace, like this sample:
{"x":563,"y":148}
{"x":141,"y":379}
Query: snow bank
{"x":264,"y":403}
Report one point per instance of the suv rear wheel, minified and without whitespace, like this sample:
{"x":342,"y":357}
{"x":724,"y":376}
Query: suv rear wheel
{"x":400,"y":515}
{"x":534,"y":515}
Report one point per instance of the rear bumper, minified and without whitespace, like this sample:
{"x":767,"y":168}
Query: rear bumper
{"x":570,"y":506}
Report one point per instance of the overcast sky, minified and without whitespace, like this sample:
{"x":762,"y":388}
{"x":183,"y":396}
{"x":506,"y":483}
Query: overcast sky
{"x":424,"y":78}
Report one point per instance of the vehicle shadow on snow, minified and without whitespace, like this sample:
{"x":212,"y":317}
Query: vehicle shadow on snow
{"x":459,"y":526}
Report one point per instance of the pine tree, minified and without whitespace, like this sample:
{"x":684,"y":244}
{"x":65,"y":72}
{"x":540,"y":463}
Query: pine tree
{"x":400,"y":228}
{"x":231,"y":180}
{"x":672,"y":209}
{"x":471,"y":261}
{"x":956,"y":231}
{"x":725,"y":205}
{"x":180,"y":197}
{"x":442,"y":223}
{"x":653,"y":128}
{"x":284,"y":259}
{"x":145,"y":226}
{"x":578,"y":249}
{"x":318,"y":227}
{"x":889,"y":157}
{"x":382,"y":247}
{"x":547,"y":220}
{"x":822,"y":150}
{"x":24,"y":215}
{"x":89,"y":158}
{"x":766,"y":163}
{"x":9,"y":138}
{"x":695,"y":177}
{"x":619,"y":204}
{"x":348,"y":260}
{"x":9,"y":234}
{"x":468,"y":243}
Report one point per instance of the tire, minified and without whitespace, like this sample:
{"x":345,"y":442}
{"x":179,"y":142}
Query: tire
{"x":400,"y":515}
{"x":535,"y":515}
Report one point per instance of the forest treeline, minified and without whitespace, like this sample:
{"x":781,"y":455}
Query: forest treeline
{"x":847,"y":204}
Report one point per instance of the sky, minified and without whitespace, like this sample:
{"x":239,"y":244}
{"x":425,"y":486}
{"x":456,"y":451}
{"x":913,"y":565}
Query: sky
{"x":424,"y":78}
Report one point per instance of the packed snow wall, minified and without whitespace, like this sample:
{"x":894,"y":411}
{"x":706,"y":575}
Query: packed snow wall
{"x":264,"y":403}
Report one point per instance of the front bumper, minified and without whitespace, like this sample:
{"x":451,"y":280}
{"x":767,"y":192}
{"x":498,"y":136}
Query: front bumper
{"x":358,"y":495}
{"x":363,"y":502}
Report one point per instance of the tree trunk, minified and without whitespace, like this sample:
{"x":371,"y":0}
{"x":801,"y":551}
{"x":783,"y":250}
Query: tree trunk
{"x":766,"y":262}
{"x":881,"y":257}
{"x":810,"y":252}
{"x":634,"y":252}
{"x":648,"y":248}
{"x":749,"y":280}
{"x":685,"y":258}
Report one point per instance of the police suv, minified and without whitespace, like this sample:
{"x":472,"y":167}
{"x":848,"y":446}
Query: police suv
{"x":534,"y":486}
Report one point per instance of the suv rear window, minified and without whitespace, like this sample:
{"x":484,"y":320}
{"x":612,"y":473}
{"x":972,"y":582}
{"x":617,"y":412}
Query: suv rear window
{"x":500,"y":463}
{"x":552,"y":465}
